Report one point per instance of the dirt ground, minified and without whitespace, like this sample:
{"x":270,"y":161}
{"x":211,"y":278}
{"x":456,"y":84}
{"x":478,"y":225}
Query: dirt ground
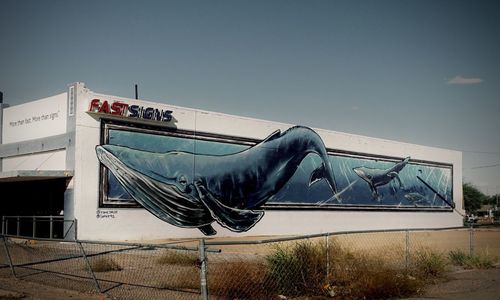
{"x":11,"y":288}
{"x":475,"y":284}
{"x":466,"y":285}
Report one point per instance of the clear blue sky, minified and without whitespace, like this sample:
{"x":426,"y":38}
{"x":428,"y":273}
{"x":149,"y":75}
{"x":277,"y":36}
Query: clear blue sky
{"x":424,"y":72}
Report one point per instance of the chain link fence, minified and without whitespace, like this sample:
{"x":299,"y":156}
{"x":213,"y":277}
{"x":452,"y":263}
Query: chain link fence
{"x":316,"y":265}
{"x":122,"y":271}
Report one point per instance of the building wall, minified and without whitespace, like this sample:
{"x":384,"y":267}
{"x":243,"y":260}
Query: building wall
{"x":59,"y":133}
{"x":28,"y":132}
{"x":33,"y":120}
{"x":115,"y":223}
{"x":45,"y":161}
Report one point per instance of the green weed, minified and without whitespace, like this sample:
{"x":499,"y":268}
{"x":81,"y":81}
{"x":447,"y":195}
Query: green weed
{"x":430,"y":264}
{"x":474,"y":261}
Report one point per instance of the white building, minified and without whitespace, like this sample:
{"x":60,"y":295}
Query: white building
{"x":129,"y":169}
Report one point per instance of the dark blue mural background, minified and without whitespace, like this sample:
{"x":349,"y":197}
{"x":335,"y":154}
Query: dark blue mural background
{"x":351,"y":189}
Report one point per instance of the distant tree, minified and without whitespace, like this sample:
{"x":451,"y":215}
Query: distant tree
{"x":473,"y":198}
{"x":492,"y":200}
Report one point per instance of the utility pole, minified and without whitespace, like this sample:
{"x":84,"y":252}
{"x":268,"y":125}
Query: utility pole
{"x":496,"y":195}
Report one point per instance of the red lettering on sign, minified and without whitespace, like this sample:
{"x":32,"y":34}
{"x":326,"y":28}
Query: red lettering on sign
{"x":118,"y":108}
{"x":104,"y":107}
{"x":94,"y":105}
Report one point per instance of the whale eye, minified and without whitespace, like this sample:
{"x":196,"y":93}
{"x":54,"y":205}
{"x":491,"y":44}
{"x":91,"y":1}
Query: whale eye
{"x":182,"y":180}
{"x":369,"y":176}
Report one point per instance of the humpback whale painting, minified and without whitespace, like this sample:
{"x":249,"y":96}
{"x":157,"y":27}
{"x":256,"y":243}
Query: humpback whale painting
{"x":380,"y":177}
{"x":195,"y":180}
{"x":193,"y":190}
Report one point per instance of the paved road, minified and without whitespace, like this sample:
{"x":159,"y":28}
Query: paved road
{"x":466,"y":285}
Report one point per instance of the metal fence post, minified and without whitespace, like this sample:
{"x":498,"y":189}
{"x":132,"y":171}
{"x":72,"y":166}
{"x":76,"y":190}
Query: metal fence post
{"x":34,"y":226}
{"x":203,"y":270}
{"x":3,"y":224}
{"x":75,"y":229}
{"x":8,"y":257}
{"x":327,"y":255}
{"x":89,"y":267}
{"x":471,"y":239}
{"x":18,"y":230}
{"x":51,"y":227}
{"x":407,"y":249}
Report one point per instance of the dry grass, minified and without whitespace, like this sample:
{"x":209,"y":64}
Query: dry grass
{"x":240,"y":280}
{"x":300,"y":270}
{"x":104,"y":264}
{"x":369,"y":275}
{"x":182,"y":258}
{"x":429,"y":264}
{"x":184,"y":279}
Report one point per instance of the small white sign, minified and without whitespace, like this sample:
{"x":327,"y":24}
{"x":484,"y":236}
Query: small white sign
{"x":33,"y":120}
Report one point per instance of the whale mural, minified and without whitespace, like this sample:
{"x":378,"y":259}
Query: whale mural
{"x":195,"y":180}
{"x":381,"y":177}
{"x":229,"y":189}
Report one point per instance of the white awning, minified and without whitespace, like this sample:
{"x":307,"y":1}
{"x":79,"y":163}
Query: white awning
{"x":31,"y":175}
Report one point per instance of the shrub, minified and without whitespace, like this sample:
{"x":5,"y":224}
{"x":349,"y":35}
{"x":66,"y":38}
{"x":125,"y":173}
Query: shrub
{"x":430,"y":264}
{"x":240,"y":280}
{"x":299,"y":269}
{"x":457,"y":257}
{"x":460,"y":258}
{"x":184,"y":279}
{"x":173,"y":257}
{"x":366,"y":276}
{"x":104,"y":264}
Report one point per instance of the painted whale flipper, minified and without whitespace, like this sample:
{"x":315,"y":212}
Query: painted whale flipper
{"x":232,"y":218}
{"x":395,"y":175}
{"x":153,"y":195}
{"x":207,"y":230}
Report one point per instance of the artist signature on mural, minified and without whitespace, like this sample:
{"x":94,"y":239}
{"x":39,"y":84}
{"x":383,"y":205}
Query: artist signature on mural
{"x":106,"y":214}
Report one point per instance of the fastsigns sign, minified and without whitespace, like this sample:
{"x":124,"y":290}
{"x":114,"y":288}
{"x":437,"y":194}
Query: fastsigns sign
{"x":118,"y":108}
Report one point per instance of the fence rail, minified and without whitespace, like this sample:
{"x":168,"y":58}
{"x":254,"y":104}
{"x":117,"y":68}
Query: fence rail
{"x":50,"y":227}
{"x":215,"y":268}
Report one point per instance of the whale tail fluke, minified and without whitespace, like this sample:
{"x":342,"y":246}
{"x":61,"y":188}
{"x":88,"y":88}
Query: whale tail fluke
{"x":317,"y":175}
{"x":322,"y":172}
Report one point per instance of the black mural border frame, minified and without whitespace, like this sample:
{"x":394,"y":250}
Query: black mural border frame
{"x":169,"y":130}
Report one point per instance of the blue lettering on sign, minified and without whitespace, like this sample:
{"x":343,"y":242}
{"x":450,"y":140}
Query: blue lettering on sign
{"x":134,"y":111}
{"x":148,"y":113}
{"x":167,"y":116}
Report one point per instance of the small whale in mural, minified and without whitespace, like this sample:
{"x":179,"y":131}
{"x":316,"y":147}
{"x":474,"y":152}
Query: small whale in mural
{"x":416,"y":198}
{"x":193,"y":190}
{"x":379,"y":177}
